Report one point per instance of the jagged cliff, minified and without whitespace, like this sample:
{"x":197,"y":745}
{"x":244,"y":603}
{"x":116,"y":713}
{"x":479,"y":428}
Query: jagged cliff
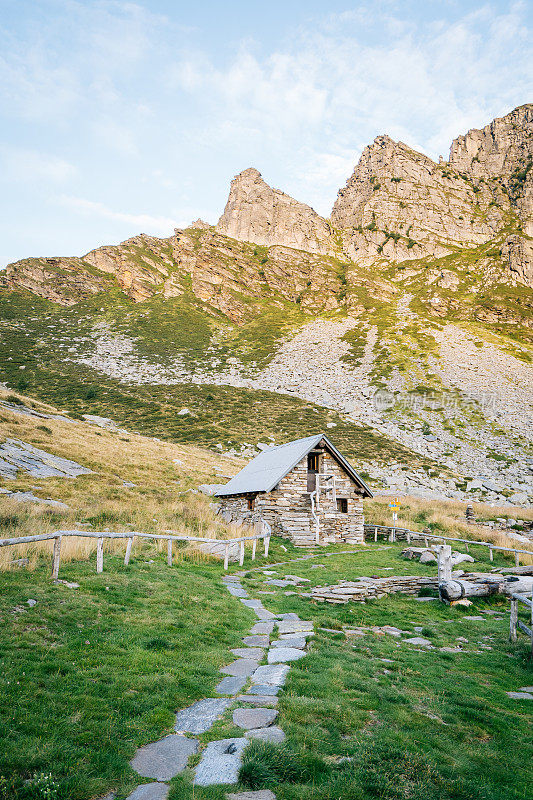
{"x":397,"y":206}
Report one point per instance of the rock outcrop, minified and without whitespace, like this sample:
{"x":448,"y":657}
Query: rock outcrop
{"x":257,"y":213}
{"x":64,"y":280}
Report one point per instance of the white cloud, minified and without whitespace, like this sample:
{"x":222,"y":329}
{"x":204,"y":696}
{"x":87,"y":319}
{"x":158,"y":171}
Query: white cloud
{"x":21,"y":164}
{"x":146,"y":222}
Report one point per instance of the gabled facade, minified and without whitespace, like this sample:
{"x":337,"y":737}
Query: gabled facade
{"x":306,"y":490}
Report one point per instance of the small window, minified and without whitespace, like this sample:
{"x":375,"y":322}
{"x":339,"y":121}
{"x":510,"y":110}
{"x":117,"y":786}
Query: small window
{"x":313,"y":462}
{"x":342,"y":505}
{"x":251,"y":503}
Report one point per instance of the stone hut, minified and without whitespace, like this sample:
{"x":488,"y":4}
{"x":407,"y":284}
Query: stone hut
{"x":306,"y":491}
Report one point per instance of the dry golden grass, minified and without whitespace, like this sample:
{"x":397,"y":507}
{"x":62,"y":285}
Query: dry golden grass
{"x":448,"y":517}
{"x":159,"y":501}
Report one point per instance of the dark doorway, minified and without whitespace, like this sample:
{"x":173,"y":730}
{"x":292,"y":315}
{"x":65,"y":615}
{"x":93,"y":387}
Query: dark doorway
{"x":313,"y":467}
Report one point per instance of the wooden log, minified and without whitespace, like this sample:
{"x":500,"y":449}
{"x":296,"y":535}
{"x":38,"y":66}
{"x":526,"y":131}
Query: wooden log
{"x":226,"y":556}
{"x":57,"y":558}
{"x":513,"y":620}
{"x":444,"y":563}
{"x":100,"y":554}
{"x":169,"y":552}
{"x":128,"y":551}
{"x":456,"y":589}
{"x":241,"y":553}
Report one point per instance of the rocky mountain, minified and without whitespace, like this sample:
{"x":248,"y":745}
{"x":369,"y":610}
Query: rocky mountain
{"x":409,"y":311}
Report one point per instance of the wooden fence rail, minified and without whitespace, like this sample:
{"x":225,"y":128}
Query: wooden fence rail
{"x":393,"y":532}
{"x":516,"y":624}
{"x":264,"y":533}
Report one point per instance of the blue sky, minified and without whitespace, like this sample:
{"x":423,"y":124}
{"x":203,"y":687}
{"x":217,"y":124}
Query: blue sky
{"x":124,"y":117}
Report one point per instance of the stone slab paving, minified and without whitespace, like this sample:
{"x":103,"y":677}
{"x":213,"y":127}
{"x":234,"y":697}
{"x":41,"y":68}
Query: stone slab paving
{"x":258,"y":699}
{"x":294,"y":626}
{"x":199,"y":717}
{"x":520,"y":695}
{"x":262,"y":627}
{"x":250,"y":603}
{"x":290,"y":641}
{"x":242,"y":668}
{"x":271,"y":673}
{"x":230,"y":685}
{"x":290,"y":616}
{"x":278,"y":655}
{"x":262,"y":794}
{"x":272,"y":734}
{"x":255,"y":653}
{"x":264,"y":688}
{"x":150,"y":791}
{"x":237,"y":591}
{"x":220,"y":762}
{"x":418,"y":640}
{"x":263,"y":614}
{"x":164,"y":759}
{"x":256,"y":640}
{"x":249,"y":718}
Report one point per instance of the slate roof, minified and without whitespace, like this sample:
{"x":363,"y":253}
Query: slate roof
{"x":267,"y":469}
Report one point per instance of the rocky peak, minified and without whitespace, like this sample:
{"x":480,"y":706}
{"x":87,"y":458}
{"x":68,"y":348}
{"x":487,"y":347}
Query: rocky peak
{"x":255,"y":212}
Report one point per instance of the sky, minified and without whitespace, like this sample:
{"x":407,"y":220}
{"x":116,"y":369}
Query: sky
{"x":118,"y":118}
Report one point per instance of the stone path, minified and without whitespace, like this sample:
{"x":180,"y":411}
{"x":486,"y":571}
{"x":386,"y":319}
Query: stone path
{"x":254,"y":709}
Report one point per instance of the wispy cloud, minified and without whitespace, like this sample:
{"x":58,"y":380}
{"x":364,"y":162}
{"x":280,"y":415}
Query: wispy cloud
{"x":144,"y":222}
{"x":23,"y":164}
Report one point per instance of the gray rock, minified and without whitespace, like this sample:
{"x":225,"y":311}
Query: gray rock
{"x":428,"y":558}
{"x":249,"y":718}
{"x":272,"y":734}
{"x":271,"y":673}
{"x":230,"y":685}
{"x":164,"y":759}
{"x":280,"y":654}
{"x":262,"y":627}
{"x":256,"y":640}
{"x":199,"y":717}
{"x":255,"y":653}
{"x":294,"y":626}
{"x":263,"y":614}
{"x":31,"y":602}
{"x":280,"y":583}
{"x":419,"y":641}
{"x":526,"y":689}
{"x":520,"y":695}
{"x":425,"y":599}
{"x":242,"y":668}
{"x":237,"y":591}
{"x":220,"y":762}
{"x":263,"y":689}
{"x":37,"y":463}
{"x":262,"y":794}
{"x":252,"y":603}
{"x":258,"y":700}
{"x":210,"y":488}
{"x":150,"y":791}
{"x":290,"y":641}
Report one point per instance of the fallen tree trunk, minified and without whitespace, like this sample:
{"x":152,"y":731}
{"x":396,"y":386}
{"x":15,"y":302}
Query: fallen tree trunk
{"x":457,"y":588}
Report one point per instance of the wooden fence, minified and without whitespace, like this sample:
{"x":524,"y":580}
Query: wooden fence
{"x":264,"y":533}
{"x":403,"y":533}
{"x":517,"y":624}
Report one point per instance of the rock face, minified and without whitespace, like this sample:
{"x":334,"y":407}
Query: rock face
{"x":398,"y":205}
{"x":257,"y":213}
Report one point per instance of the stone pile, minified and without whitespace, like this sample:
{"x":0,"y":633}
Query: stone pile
{"x":372,"y":588}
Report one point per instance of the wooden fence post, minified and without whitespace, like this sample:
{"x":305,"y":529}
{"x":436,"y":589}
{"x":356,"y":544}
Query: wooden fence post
{"x":169,"y":552}
{"x":531,"y":623}
{"x":254,"y":547}
{"x":466,"y":547}
{"x":241,"y":554}
{"x":375,"y":534}
{"x":408,"y":537}
{"x":426,"y":541}
{"x":57,"y":558}
{"x":226,"y":556}
{"x":513,"y":620}
{"x":491,"y":554}
{"x":267,"y":545}
{"x":128,"y":551}
{"x":516,"y":559}
{"x":100,"y":554}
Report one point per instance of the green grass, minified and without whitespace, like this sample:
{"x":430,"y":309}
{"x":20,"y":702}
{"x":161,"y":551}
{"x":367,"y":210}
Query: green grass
{"x":88,"y":675}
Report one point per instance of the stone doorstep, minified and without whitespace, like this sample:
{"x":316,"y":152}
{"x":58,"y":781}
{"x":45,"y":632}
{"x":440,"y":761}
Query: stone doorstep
{"x":164,"y":759}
